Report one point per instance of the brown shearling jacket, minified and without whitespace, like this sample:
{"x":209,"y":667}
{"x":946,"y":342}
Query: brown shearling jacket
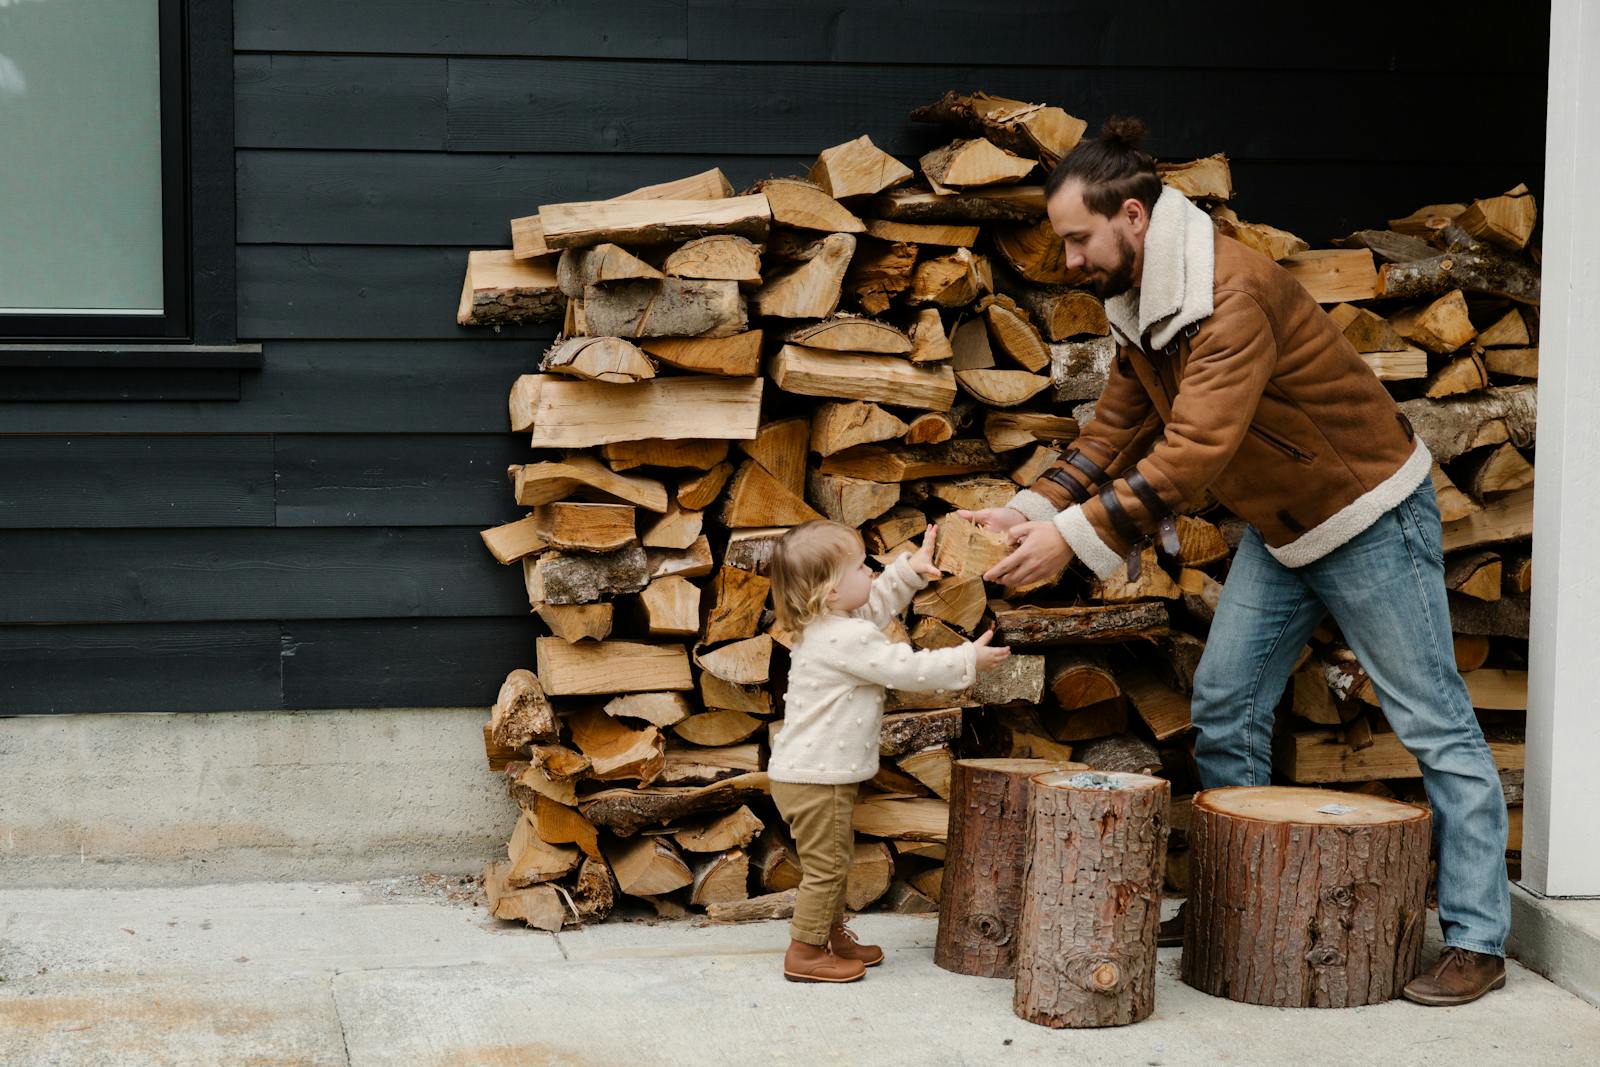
{"x":1264,"y":403}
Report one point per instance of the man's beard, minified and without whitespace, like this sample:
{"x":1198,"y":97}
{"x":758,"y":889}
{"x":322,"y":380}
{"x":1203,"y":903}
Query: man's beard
{"x":1120,"y":279}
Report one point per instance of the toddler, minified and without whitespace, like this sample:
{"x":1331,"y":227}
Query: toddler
{"x":827,"y":744}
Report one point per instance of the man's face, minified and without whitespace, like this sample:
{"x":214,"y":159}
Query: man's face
{"x":1106,"y":251}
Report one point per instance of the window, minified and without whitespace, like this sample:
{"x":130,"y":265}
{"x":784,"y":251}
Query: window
{"x":94,"y":206}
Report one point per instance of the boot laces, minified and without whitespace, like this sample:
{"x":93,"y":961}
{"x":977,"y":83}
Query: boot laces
{"x":1452,"y":957}
{"x":848,"y":934}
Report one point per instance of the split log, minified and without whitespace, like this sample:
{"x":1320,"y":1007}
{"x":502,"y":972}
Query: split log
{"x":514,"y":540}
{"x":718,"y":729}
{"x":1455,"y":426}
{"x":617,"y":751}
{"x":598,"y":359}
{"x":1199,"y":179}
{"x":902,"y":463}
{"x":1079,"y":370}
{"x":1507,"y":220}
{"x":561,"y":825}
{"x":535,"y":860}
{"x":958,"y":601}
{"x":1389,"y":246}
{"x":1512,"y":362}
{"x":878,"y":273}
{"x":723,"y":257}
{"x":527,"y":234}
{"x":1037,"y":627}
{"x":521,"y":714}
{"x":499,"y":289}
{"x":1333,"y":276}
{"x":1014,"y":334}
{"x":973,"y":163}
{"x":719,"y":695}
{"x":751,"y":549}
{"x":658,"y":709}
{"x":977,"y":492}
{"x":1270,"y":241}
{"x":1477,"y":575}
{"x":1365,"y":330}
{"x":736,"y":829}
{"x":1506,"y":617}
{"x":577,"y":414}
{"x":914,"y":233}
{"x":895,"y":528}
{"x":1398,"y":366}
{"x":692,"y":562}
{"x":1123,"y":754}
{"x":671,"y":607}
{"x":542,"y":483}
{"x":1016,"y":733}
{"x":882,"y":379}
{"x":585,"y":578}
{"x":852,"y":333}
{"x":916,"y":819}
{"x":678,"y":528}
{"x":721,"y":879}
{"x":857,"y":168}
{"x":1485,"y":272}
{"x":648,"y":866}
{"x":1002,"y":388}
{"x":981,"y":895}
{"x":738,"y":599}
{"x":930,"y":428}
{"x":1008,"y":430}
{"x":904,"y":898}
{"x":1334,"y":912}
{"x":951,"y":281}
{"x":802,"y":205}
{"x":735,"y":356}
{"x":1164,"y":710}
{"x":580,"y":268}
{"x":970,"y":348}
{"x":871,"y":870}
{"x":931,"y":768}
{"x":610,"y":667}
{"x":644,"y":222}
{"x":1501,"y":470}
{"x":929,"y":341}
{"x":913,"y":731}
{"x":627,"y":811}
{"x":756,"y":498}
{"x":1153,"y":582}
{"x":1079,"y":679}
{"x":964,"y":548}
{"x":744,"y":662}
{"x":851,"y":501}
{"x":671,"y":307}
{"x":1440,"y":327}
{"x":1508,"y":331}
{"x":756,"y":909}
{"x":1507,"y":518}
{"x":550,"y":773}
{"x":654,"y":452}
{"x":703,"y":766}
{"x":698,"y":492}
{"x":1038,"y":131}
{"x":1091,"y":901}
{"x":1063,"y":314}
{"x":780,"y":447}
{"x":577,"y":622}
{"x":576,"y":527}
{"x":540,"y":906}
{"x":811,"y":290}
{"x":1033,"y":251}
{"x":1004,"y":203}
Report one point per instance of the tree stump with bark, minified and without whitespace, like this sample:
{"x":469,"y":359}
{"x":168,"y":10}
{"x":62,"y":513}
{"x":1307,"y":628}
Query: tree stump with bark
{"x":1091,"y":902}
{"x":1305,"y":898}
{"x":985,"y":855}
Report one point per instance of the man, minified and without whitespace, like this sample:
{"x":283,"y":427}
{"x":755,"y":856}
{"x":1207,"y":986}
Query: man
{"x":1230,"y":378}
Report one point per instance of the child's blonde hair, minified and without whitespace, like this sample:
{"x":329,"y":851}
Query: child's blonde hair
{"x":807,"y":564}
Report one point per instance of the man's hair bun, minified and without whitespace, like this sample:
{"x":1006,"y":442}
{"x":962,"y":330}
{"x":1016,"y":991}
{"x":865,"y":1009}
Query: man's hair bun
{"x":1124,"y":132}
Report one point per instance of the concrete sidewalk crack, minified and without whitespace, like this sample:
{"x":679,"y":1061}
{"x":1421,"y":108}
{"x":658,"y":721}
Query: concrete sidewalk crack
{"x":560,"y":947}
{"x":338,"y":1013}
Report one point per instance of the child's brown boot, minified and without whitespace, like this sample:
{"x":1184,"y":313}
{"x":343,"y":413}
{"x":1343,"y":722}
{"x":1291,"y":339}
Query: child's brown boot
{"x":816,"y":963}
{"x":842,"y":940}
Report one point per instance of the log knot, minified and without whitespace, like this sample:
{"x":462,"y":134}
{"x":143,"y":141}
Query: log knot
{"x":989,"y":927}
{"x":1097,"y":972}
{"x":1341,"y":895}
{"x":1325,"y":956}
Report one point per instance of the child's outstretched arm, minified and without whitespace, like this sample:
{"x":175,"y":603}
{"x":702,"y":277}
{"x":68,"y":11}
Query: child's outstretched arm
{"x":900,"y":581}
{"x":867,"y":653}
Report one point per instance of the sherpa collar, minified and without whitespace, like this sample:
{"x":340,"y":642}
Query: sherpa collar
{"x":1175,"y":289}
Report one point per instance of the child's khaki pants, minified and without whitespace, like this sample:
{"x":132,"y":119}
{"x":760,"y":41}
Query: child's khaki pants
{"x":819,"y":818}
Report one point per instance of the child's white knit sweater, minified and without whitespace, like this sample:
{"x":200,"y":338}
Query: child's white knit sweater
{"x":838,"y":671}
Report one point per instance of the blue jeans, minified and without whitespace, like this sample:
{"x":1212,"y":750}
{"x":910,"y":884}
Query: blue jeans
{"x":1385,"y":589}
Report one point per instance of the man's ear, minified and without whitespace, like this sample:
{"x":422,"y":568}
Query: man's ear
{"x":1134,"y":211}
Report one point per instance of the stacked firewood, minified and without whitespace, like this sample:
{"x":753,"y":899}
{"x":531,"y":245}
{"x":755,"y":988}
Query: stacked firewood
{"x":882,"y":346}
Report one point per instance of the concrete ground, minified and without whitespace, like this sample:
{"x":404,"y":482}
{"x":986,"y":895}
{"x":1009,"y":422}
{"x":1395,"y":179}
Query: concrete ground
{"x":414,"y":973}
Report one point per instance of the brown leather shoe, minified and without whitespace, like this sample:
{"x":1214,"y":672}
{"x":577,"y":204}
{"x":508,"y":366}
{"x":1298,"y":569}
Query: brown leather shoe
{"x":813,"y":963}
{"x":1170,"y":933}
{"x":1459,"y":977}
{"x":842,"y":940}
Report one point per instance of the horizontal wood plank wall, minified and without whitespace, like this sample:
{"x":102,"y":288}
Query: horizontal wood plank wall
{"x":306,"y":535}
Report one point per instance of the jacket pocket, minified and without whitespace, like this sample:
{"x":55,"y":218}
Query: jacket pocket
{"x":1288,"y":448}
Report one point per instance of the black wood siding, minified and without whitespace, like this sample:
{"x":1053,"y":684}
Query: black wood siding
{"x":306,"y":535}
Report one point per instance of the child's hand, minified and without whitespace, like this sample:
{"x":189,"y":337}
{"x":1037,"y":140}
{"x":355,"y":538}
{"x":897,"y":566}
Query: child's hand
{"x":990,"y":657}
{"x":922,"y":558}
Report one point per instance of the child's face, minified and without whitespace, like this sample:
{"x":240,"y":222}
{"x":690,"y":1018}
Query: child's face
{"x":854,"y":588}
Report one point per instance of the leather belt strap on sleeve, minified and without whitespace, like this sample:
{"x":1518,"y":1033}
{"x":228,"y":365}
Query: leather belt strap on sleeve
{"x":1148,"y":496}
{"x":1076,"y":491}
{"x":1086,"y":465}
{"x":1126,"y":529}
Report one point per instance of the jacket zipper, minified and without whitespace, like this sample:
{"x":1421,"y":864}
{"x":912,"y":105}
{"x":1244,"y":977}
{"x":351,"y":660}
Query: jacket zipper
{"x":1283,"y":446}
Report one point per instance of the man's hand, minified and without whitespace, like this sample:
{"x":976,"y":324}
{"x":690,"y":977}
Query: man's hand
{"x":1000,"y":520}
{"x":922,"y":558}
{"x":1041,"y":552}
{"x":990,"y":657}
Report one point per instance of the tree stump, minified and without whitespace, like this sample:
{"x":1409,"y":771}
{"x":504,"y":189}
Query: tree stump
{"x":1091,"y":902}
{"x":1305,"y":898}
{"x":985,"y":855}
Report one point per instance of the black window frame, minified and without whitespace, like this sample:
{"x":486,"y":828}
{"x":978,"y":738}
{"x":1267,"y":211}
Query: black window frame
{"x":197,"y":208}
